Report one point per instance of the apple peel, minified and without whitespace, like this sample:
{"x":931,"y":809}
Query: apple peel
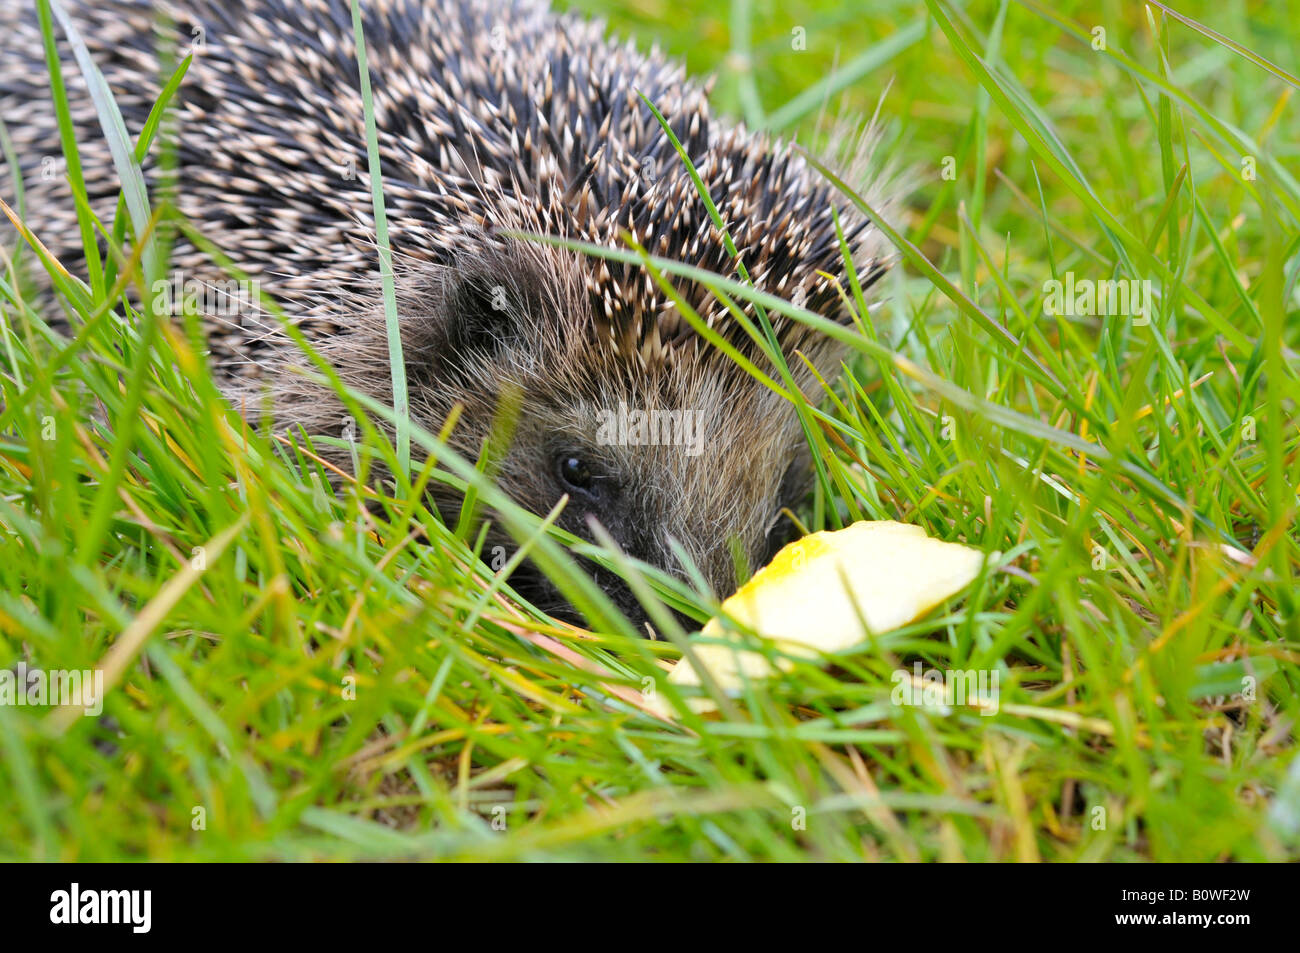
{"x":817,"y":592}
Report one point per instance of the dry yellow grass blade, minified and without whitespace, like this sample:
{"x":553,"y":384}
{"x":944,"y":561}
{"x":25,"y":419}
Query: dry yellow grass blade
{"x":27,"y":234}
{"x":132,"y":639}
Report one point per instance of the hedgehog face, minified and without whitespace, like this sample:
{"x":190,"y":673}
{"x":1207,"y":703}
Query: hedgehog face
{"x":672,"y":448}
{"x":680,"y":455}
{"x":664,"y":480}
{"x":690,"y":458}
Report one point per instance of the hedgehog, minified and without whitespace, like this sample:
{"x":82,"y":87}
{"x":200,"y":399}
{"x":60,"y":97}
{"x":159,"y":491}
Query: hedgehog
{"x":496,"y":120}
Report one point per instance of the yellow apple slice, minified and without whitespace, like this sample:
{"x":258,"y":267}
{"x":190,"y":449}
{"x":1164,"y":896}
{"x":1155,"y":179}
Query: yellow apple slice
{"x":816,"y":593}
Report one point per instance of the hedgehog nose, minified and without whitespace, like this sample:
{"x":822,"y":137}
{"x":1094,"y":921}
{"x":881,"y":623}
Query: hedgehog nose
{"x":783,"y":533}
{"x":644,"y":624}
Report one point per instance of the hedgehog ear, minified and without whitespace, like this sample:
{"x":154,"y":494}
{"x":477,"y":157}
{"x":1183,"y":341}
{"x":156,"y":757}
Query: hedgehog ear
{"x":477,"y":306}
{"x":481,"y":313}
{"x":484,"y":303}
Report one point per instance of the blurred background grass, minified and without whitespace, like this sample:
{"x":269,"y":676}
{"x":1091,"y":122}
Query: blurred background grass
{"x":930,"y":107}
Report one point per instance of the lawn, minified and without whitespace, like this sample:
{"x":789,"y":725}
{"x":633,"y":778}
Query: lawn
{"x":297,"y":672}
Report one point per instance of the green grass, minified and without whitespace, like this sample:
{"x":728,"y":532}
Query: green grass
{"x":310,"y":678}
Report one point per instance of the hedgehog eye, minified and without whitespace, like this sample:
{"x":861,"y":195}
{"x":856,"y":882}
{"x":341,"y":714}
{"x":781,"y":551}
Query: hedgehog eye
{"x":574,"y":472}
